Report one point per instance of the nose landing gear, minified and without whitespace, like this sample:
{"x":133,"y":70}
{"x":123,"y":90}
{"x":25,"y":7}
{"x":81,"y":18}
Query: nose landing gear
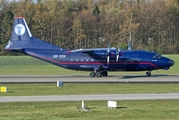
{"x":148,"y":73}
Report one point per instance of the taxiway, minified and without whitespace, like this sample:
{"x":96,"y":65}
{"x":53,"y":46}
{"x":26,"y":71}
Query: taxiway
{"x":86,"y":79}
{"x":89,"y":97}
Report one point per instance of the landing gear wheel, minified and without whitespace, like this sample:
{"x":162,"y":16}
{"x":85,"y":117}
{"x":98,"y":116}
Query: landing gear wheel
{"x":104,"y":73}
{"x":92,"y":74}
{"x":148,"y":73}
{"x":98,"y":74}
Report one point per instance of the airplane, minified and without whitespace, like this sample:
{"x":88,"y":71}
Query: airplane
{"x":98,"y":60}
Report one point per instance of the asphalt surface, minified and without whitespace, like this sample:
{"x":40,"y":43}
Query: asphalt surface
{"x":86,"y":79}
{"x":89,"y":97}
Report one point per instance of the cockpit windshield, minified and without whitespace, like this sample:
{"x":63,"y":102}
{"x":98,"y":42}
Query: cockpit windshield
{"x":157,"y":56}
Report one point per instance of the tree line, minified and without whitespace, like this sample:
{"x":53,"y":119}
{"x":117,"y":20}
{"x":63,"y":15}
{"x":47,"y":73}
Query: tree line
{"x":74,"y":24}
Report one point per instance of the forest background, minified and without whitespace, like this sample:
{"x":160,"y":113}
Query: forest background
{"x":73,"y":24}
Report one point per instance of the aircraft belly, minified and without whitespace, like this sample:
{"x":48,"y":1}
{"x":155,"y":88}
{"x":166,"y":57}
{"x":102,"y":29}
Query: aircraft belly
{"x":86,"y":67}
{"x":81,"y":67}
{"x":125,"y":67}
{"x":147,"y":66}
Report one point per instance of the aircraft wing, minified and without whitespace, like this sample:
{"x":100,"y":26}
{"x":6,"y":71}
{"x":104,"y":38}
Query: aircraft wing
{"x":91,"y":52}
{"x":93,"y":49}
{"x":81,"y":50}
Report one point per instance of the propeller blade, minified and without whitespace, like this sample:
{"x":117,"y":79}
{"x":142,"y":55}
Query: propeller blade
{"x":108,"y":54}
{"x":117,"y":57}
{"x":108,"y":47}
{"x":129,"y":46}
{"x":108,"y":60}
{"x":117,"y":53}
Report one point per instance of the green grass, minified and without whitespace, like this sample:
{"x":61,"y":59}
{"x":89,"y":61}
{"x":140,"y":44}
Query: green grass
{"x":69,"y":89}
{"x":127,"y":110}
{"x":25,"y":65}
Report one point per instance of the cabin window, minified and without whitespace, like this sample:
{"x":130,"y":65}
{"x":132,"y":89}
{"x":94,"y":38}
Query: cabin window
{"x":157,"y":56}
{"x":92,"y":60}
{"x":86,"y":59}
{"x":81,"y":59}
{"x":76,"y":59}
{"x":71,"y":59}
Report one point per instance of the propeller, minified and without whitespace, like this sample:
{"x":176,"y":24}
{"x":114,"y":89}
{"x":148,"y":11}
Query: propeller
{"x":108,"y":54}
{"x":129,"y":46}
{"x":117,"y":53}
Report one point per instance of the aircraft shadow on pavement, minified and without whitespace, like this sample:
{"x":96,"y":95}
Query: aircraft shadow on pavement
{"x":143,"y":76}
{"x":120,"y":76}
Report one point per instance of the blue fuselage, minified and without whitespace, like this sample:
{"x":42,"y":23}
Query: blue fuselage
{"x":93,"y":59}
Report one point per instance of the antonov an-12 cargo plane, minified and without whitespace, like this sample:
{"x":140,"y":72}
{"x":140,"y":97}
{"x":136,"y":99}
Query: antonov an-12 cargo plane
{"x":98,"y":60}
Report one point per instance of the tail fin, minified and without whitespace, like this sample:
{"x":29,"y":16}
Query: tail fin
{"x":20,"y":34}
{"x":20,"y":30}
{"x":21,"y":38}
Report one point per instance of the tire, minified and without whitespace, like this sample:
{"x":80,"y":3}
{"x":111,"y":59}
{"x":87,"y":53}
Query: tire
{"x":104,"y":73}
{"x":148,"y":74}
{"x":92,"y":74}
{"x":98,"y":74}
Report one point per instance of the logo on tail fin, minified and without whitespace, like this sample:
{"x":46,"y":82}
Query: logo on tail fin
{"x":19,"y":29}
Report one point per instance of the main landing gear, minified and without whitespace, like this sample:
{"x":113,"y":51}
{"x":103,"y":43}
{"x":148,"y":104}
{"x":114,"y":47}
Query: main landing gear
{"x":98,"y":73}
{"x":148,"y":73}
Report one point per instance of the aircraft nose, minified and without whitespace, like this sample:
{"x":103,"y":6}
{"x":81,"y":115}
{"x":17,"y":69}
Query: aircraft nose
{"x":171,"y":62}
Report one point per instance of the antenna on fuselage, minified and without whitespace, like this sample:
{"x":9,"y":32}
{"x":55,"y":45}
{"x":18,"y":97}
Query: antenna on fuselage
{"x":130,"y":38}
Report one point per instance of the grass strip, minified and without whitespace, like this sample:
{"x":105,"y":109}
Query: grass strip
{"x":95,"y":88}
{"x":128,"y":110}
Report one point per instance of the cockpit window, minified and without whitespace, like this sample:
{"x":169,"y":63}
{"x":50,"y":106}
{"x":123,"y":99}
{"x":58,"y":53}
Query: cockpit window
{"x":157,"y":56}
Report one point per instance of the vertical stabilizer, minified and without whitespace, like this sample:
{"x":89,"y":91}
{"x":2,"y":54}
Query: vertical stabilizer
{"x":21,"y":38}
{"x":20,"y":30}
